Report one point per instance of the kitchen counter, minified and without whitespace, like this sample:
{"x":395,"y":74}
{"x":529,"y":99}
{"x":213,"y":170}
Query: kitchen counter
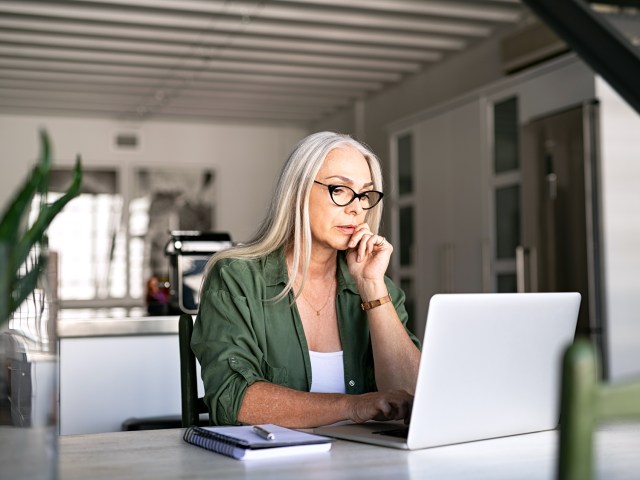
{"x":117,"y":364}
{"x":114,"y":322}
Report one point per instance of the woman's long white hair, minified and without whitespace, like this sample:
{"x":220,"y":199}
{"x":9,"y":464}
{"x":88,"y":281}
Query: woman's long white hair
{"x":287,"y":221}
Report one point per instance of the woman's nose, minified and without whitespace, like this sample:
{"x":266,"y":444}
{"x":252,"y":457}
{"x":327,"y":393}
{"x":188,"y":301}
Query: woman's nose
{"x":354,"y":207}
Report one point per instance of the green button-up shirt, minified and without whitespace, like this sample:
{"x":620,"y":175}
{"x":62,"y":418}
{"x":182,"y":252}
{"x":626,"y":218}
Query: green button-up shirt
{"x":241,"y":337}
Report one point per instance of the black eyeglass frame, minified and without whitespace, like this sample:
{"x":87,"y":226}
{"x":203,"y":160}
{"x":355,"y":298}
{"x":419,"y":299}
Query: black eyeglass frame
{"x":359,"y":196}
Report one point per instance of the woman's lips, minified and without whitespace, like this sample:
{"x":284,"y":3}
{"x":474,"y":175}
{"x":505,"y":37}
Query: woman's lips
{"x":347,"y":229}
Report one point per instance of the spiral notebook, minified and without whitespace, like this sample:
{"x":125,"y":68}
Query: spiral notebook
{"x":243,"y":443}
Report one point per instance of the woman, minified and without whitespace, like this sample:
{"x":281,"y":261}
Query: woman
{"x":291,"y":324}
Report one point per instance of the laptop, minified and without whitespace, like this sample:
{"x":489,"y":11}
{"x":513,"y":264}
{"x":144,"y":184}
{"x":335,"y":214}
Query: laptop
{"x":490,"y":367}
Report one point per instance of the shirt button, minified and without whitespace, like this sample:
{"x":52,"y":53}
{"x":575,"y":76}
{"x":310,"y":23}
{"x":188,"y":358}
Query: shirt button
{"x":351,"y":383}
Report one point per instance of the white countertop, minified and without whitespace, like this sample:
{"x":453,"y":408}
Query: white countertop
{"x":114,"y":322}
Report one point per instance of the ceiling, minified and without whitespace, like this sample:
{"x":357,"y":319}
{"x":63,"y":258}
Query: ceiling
{"x":289,"y":61}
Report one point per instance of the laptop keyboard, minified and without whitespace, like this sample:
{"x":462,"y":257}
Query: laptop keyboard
{"x":396,"y":432}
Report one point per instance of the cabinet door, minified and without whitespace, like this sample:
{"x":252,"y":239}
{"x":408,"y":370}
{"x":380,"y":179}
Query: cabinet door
{"x":450,"y":204}
{"x":433,"y":209}
{"x":468,"y":200}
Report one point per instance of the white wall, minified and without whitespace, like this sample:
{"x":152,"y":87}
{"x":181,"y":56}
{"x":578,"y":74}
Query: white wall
{"x":246,"y":159}
{"x":620,"y":165}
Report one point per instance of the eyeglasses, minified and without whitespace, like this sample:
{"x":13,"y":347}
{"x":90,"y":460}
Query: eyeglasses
{"x":343,"y":196}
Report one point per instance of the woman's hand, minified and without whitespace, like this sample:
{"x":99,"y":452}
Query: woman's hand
{"x":368,"y":255}
{"x":381,"y":406}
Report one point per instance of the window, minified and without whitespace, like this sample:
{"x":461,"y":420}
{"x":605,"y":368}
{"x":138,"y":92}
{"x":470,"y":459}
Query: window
{"x":505,"y":136}
{"x":89,"y":237}
{"x":507,"y":221}
{"x":506,"y":193}
{"x":406,"y":235}
{"x":110,"y":239}
{"x":402,"y":201}
{"x":405,"y":164}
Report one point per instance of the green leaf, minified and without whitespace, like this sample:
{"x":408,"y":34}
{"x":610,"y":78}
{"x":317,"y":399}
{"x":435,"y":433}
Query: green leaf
{"x":26,"y":284}
{"x":13,"y":216}
{"x":45,"y":161}
{"x":15,"y":246}
{"x":46,"y":215}
{"x":5,"y":282}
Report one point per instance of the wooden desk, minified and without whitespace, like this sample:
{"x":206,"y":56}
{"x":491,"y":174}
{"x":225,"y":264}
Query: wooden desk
{"x":162,"y":454}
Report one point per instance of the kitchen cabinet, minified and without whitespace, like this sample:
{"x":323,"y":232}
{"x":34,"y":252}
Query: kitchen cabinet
{"x":462,"y":200}
{"x":116,"y":368}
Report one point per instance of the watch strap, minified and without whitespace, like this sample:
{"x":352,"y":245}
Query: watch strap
{"x":375,"y":303}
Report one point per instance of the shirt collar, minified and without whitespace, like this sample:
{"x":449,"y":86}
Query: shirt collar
{"x":345,"y":280}
{"x":275,"y":268}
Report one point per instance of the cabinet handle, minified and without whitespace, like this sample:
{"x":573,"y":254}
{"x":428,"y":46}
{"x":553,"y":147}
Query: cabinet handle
{"x":486,"y":266}
{"x":526,"y":269}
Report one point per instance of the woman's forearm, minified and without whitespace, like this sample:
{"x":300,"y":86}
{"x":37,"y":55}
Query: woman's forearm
{"x":269,"y":403}
{"x":396,"y":358}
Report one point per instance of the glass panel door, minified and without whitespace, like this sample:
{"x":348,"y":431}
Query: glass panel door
{"x":402,"y":203}
{"x":506,"y":194}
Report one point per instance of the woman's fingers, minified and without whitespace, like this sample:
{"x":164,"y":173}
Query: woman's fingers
{"x":365,"y":242}
{"x":360,"y":231}
{"x":390,"y":405}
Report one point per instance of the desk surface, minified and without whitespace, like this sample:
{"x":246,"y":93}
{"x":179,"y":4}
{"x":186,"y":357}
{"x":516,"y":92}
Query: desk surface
{"x":162,"y":454}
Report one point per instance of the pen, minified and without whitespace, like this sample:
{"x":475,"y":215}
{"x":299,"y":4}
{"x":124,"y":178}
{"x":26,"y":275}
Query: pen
{"x":264,"y":433}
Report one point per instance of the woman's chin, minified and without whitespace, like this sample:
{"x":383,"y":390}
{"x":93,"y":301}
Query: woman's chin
{"x":342,"y":245}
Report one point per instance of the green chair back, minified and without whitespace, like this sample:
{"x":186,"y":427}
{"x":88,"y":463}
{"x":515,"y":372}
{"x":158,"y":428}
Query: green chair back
{"x":586,"y":401}
{"x":192,"y":405}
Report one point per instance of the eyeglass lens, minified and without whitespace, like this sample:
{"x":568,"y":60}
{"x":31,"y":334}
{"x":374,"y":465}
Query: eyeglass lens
{"x":343,"y":196}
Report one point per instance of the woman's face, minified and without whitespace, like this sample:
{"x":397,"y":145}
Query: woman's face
{"x":332,"y":225}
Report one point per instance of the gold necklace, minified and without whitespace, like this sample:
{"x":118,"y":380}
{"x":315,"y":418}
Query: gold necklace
{"x":325,"y":302}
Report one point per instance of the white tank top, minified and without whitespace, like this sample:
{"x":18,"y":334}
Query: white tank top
{"x":327,"y":372}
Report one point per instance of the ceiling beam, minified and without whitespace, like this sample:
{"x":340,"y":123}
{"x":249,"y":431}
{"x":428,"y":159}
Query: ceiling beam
{"x":599,"y":44}
{"x":132,"y":35}
{"x":202,"y":24}
{"x":160,"y":74}
{"x":467,"y":10}
{"x":306,"y":13}
{"x":54,"y":43}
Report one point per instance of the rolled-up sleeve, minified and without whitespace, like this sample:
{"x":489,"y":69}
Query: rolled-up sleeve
{"x":226,"y":344}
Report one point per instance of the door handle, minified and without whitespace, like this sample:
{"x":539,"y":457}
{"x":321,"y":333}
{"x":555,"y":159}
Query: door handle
{"x":486,"y":265}
{"x":552,"y":186}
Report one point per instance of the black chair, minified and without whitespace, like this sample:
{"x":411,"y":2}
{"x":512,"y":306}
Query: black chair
{"x":192,"y":405}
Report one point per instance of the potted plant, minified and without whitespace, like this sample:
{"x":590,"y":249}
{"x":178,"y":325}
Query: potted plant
{"x":17,"y":239}
{"x":28,"y":386}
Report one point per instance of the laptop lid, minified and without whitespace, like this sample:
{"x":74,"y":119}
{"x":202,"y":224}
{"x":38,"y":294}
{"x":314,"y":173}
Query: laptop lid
{"x":490,"y":367}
